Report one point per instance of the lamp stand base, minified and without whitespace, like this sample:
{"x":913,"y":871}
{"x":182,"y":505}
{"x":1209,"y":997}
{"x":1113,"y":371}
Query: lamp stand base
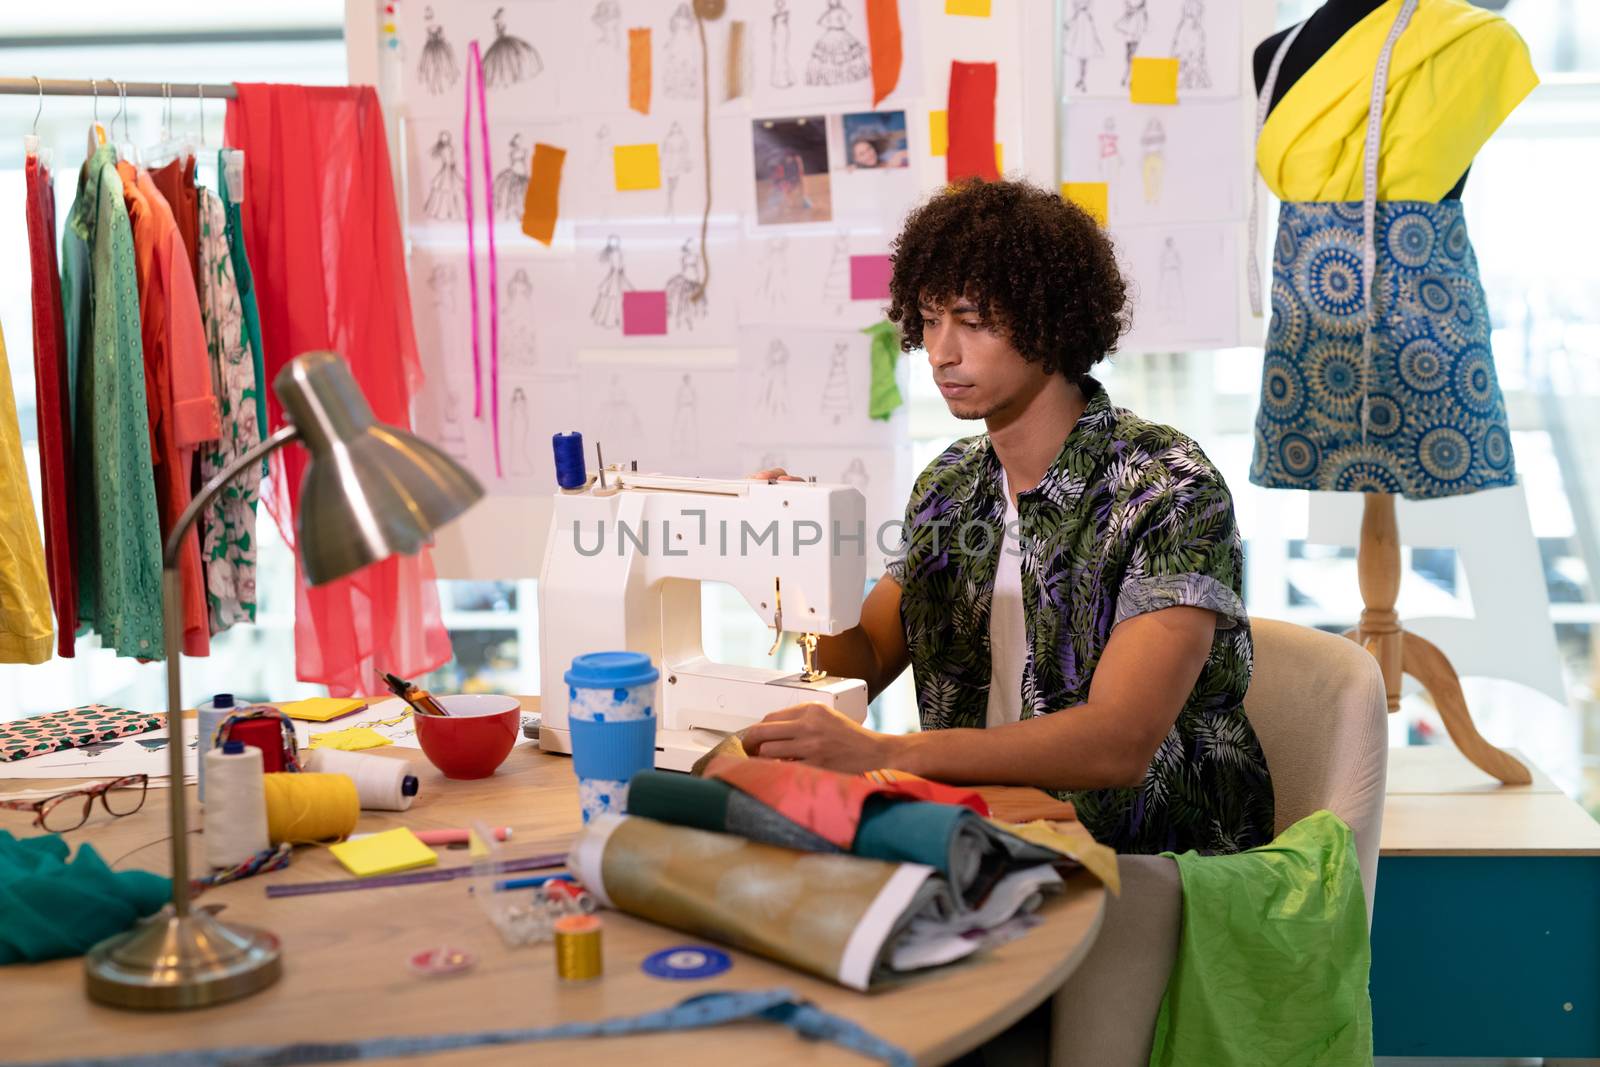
{"x":168,"y":963}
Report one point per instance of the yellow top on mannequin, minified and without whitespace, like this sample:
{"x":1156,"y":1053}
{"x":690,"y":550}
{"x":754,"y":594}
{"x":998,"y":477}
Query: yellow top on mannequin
{"x":1456,"y":72}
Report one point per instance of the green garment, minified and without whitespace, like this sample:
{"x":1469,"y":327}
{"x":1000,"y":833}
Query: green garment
{"x":119,"y":546}
{"x":1273,"y":960}
{"x":51,"y":907}
{"x":247,"y":291}
{"x":1131,"y":518}
{"x":885,"y":396}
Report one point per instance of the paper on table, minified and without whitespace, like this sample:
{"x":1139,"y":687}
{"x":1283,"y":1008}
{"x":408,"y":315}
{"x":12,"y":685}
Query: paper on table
{"x":1153,"y":81}
{"x":144,"y":753}
{"x":384,"y":853}
{"x":354,"y":739}
{"x":390,"y":718}
{"x":319,"y":709}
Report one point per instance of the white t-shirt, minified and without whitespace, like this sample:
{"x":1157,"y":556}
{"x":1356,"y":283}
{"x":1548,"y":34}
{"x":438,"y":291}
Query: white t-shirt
{"x":1008,"y":630}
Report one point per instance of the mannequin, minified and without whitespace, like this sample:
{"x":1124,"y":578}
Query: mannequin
{"x":1378,"y":555}
{"x":1325,"y":25}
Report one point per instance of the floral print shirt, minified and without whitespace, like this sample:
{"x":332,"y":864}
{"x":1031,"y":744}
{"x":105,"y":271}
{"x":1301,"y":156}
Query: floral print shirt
{"x":1131,"y":518}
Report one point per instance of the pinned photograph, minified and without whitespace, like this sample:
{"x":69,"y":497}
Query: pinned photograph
{"x":791,"y":170}
{"x":875,"y":140}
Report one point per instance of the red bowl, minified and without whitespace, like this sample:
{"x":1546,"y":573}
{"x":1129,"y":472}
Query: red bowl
{"x":476,"y":737}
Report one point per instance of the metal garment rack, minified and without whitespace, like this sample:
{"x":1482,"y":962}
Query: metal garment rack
{"x":112,"y":89}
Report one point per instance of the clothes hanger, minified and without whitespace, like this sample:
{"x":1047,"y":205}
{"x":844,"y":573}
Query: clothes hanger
{"x":160,"y":153}
{"x":126,"y":149}
{"x":30,"y":141}
{"x":97,"y":132}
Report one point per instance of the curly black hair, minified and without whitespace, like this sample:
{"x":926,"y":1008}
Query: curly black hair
{"x":1037,"y":266}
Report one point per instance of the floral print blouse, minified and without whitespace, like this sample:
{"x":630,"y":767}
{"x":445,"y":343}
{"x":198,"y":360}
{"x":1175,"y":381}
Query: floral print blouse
{"x":1131,"y":518}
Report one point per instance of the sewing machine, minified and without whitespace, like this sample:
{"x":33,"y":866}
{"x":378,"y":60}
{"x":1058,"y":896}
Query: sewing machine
{"x":622,"y":570}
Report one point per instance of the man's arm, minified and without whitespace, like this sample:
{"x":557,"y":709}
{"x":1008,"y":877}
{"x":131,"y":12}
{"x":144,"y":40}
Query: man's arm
{"x":874,"y":650}
{"x":1149,"y":668}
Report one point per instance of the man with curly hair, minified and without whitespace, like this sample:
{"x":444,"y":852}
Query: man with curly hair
{"x":1070,"y":598}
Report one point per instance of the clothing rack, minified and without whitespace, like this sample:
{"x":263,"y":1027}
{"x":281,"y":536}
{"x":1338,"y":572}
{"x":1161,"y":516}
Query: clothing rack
{"x":114,"y":89}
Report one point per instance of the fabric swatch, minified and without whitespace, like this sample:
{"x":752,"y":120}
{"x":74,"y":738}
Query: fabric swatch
{"x":1153,"y":81}
{"x":542,"y":203}
{"x":883,"y":39}
{"x":971,"y":118}
{"x":639,"y":69}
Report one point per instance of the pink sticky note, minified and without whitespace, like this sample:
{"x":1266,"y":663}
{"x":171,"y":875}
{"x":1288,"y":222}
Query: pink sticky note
{"x":869,"y":277}
{"x":644,"y":313}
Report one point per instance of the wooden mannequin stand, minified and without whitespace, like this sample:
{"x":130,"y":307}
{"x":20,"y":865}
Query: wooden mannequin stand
{"x":1398,"y":652}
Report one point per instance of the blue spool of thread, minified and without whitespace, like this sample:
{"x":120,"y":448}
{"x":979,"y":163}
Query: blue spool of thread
{"x":570,"y":470}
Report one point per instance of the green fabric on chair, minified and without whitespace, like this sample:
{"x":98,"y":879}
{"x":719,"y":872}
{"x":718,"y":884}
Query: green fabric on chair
{"x":1273,"y":959}
{"x":53,"y":907}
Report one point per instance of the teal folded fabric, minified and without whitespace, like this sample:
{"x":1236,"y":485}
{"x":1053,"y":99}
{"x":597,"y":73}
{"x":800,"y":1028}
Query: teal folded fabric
{"x":1290,"y":915}
{"x":51,"y":907}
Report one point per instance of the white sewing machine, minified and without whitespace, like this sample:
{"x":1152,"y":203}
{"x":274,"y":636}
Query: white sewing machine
{"x":622,"y":571}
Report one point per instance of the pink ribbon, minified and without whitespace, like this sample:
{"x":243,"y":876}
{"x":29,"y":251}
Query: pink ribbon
{"x":475,"y":80}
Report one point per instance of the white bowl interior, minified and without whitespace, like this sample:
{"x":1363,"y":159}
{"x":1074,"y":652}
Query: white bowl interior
{"x":473,"y":705}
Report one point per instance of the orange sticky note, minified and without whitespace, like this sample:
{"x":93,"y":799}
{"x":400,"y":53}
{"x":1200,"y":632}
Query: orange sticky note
{"x":977,"y":9}
{"x":637,"y":166}
{"x":542,"y":203}
{"x":639,"y":69}
{"x":1154,"y":81}
{"x":1091,"y":196}
{"x":999,"y":157}
{"x":938,"y":132}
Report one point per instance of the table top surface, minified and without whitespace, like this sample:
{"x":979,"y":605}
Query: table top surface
{"x":344,"y":954}
{"x":1439,"y":804}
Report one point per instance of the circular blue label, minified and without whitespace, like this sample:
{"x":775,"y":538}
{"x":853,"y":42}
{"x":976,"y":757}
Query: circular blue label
{"x":687,"y":961}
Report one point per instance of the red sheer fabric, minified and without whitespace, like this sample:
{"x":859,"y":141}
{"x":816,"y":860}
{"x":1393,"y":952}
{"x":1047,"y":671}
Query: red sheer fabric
{"x":323,"y":233}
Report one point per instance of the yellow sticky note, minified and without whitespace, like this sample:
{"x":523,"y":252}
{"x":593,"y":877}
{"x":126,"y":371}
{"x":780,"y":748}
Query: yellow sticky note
{"x":1154,"y":81}
{"x":637,"y":166}
{"x":938,"y":132}
{"x":355,"y":739}
{"x":1000,"y":157}
{"x":385,"y":853}
{"x":1091,"y":196}
{"x":320,"y":709}
{"x":978,"y":9}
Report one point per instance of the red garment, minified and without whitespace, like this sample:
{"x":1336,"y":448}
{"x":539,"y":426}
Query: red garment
{"x":53,"y":401}
{"x":828,"y":803}
{"x":323,"y":233}
{"x":177,"y":381}
{"x":176,"y":182}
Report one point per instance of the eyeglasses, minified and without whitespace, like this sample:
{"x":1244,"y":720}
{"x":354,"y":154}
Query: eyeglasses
{"x":70,"y":810}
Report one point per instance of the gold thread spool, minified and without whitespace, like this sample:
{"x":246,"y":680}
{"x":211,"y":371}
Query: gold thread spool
{"x":303,"y":808}
{"x":578,"y":957}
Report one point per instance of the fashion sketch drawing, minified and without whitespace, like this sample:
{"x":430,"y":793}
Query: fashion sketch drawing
{"x":509,"y":59}
{"x":1189,"y":45}
{"x":773,"y":285}
{"x":607,"y":309}
{"x":782,"y":73}
{"x":676,"y":162}
{"x":437,"y":69}
{"x":1133,"y":25}
{"x":607,"y":21}
{"x":446,"y":197}
{"x":1081,"y":41}
{"x":775,"y":379}
{"x":511,"y":184}
{"x":686,"y":297}
{"x":522,"y":343}
{"x":838,"y":57}
{"x":680,"y":75}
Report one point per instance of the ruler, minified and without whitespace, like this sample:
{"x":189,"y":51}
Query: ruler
{"x":437,"y":874}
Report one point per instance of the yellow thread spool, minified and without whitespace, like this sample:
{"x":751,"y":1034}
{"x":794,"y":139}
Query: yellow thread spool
{"x":578,"y":956}
{"x":303,"y":808}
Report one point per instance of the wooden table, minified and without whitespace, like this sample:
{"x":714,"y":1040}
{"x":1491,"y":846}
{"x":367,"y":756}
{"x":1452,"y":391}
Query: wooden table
{"x":344,"y":956}
{"x":1486,"y":934}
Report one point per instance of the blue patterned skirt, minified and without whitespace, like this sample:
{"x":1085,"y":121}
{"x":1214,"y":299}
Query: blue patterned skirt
{"x":1436,"y":422}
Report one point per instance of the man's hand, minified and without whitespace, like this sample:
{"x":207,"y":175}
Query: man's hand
{"x":775,"y":474}
{"x":816,"y":734}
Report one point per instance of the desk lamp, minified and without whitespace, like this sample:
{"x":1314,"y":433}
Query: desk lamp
{"x":371,"y":491}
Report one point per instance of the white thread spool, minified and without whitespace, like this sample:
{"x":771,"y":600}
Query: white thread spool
{"x":208,"y":717}
{"x":384,"y":784}
{"x":236,"y":811}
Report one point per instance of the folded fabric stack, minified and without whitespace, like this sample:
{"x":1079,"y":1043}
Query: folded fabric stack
{"x":849,"y":878}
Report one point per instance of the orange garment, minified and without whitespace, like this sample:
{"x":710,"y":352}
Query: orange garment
{"x":177,"y":375}
{"x":176,"y":182}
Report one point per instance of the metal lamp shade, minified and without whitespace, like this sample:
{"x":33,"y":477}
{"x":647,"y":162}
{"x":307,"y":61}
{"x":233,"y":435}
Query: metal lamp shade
{"x":371,"y":490}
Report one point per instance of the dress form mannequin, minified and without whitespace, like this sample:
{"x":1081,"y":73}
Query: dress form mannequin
{"x":1378,"y":555}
